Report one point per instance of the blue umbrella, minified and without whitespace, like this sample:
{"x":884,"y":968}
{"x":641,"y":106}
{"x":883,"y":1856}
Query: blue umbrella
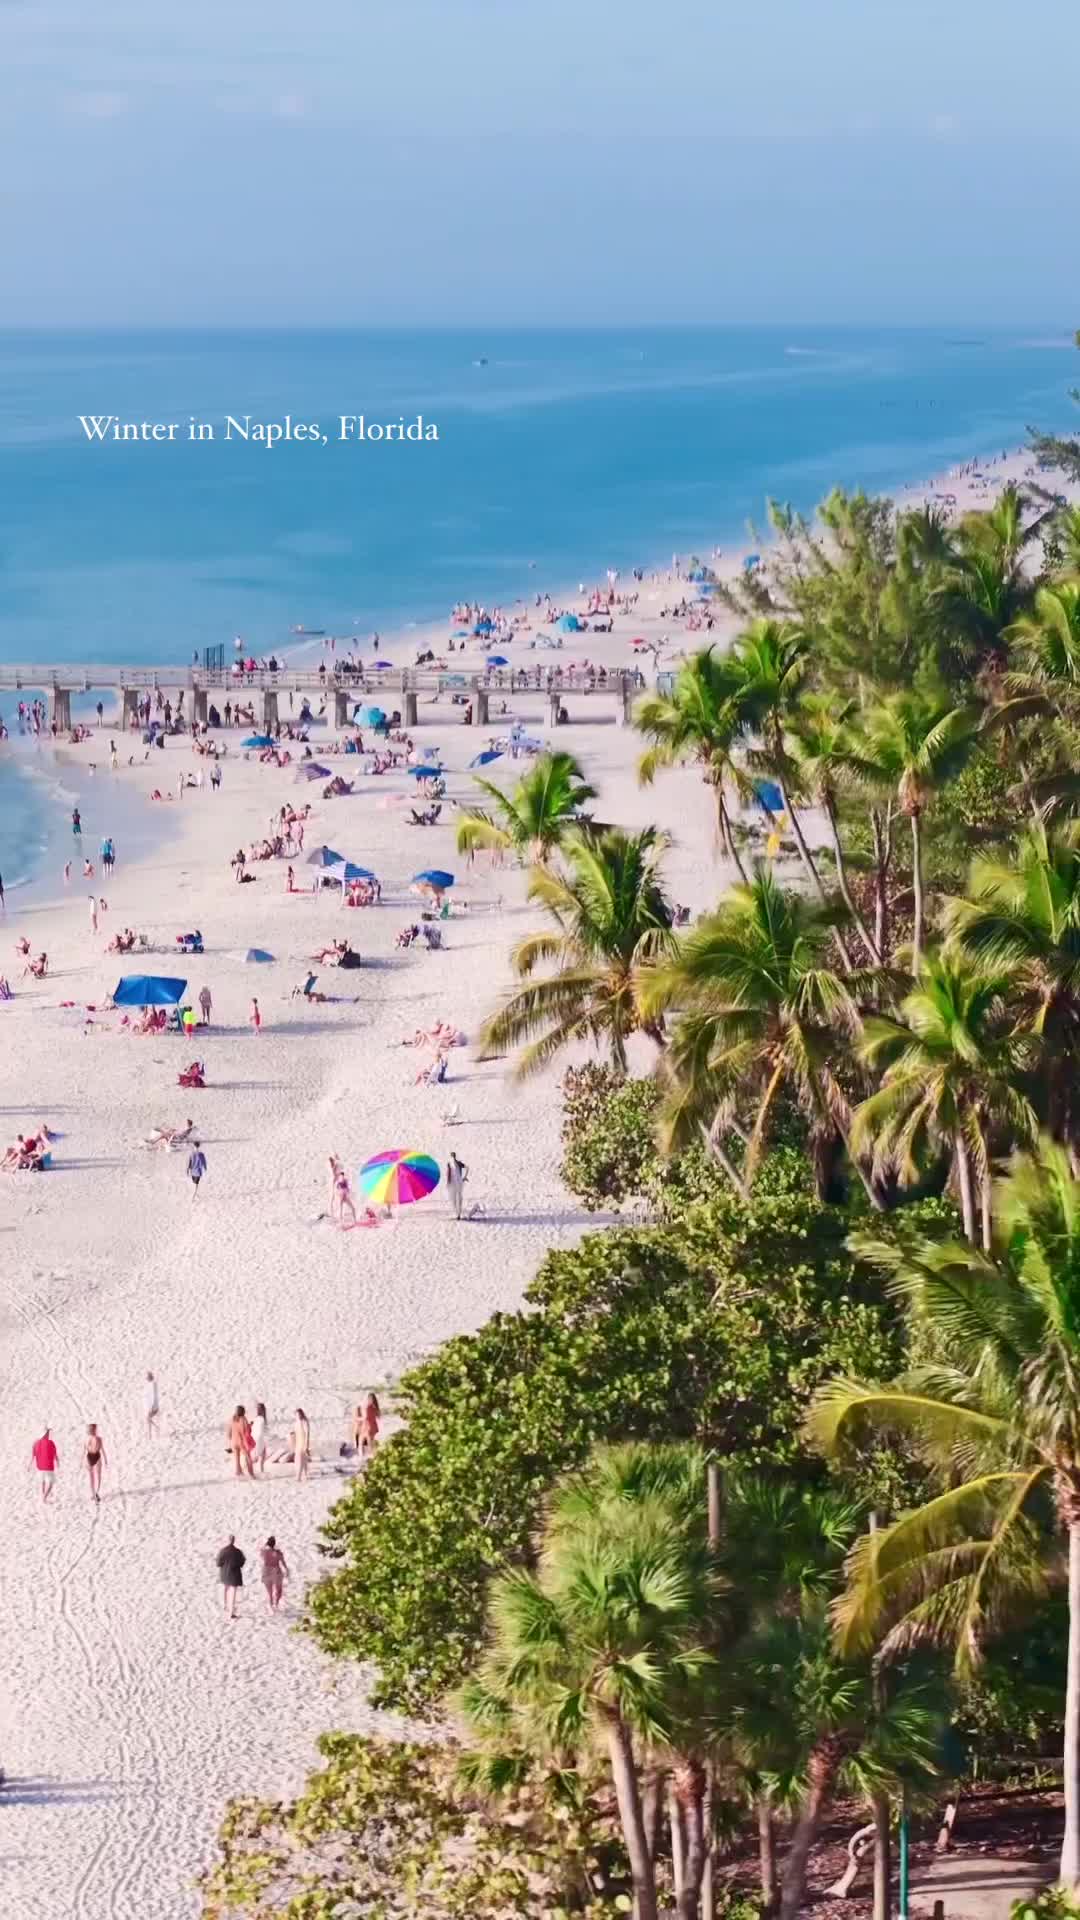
{"x":485,"y":759}
{"x":433,"y":878}
{"x":768,"y":796}
{"x":427,"y":772}
{"x":370,"y":716}
{"x":259,"y":740}
{"x":497,"y":660}
{"x":148,"y":990}
{"x":324,"y":857}
{"x":383,"y":663}
{"x":345,"y":871}
{"x":569,"y":623}
{"x":311,"y":770}
{"x":459,"y":633}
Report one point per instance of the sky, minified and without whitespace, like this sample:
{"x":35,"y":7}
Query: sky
{"x":418,"y":162}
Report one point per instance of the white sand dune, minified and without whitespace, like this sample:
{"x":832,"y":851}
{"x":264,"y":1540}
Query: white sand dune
{"x":131,"y":1709}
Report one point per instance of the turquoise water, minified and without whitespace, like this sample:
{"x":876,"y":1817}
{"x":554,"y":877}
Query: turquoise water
{"x":566,"y":453}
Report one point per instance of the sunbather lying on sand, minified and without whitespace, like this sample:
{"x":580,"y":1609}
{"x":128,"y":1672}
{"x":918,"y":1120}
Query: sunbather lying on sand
{"x":168,"y":1137}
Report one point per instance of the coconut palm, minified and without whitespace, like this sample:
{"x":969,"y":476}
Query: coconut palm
{"x":611,"y":920}
{"x":999,"y":1413}
{"x":952,"y":1062}
{"x":987,"y":587}
{"x":531,"y":821}
{"x":909,"y":745}
{"x":759,"y":1011}
{"x":697,"y":722}
{"x":820,"y":743}
{"x":606,"y":1644}
{"x":1023,"y":914}
{"x":1045,"y":643}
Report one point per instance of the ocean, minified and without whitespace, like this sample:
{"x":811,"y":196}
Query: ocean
{"x":559,"y":454}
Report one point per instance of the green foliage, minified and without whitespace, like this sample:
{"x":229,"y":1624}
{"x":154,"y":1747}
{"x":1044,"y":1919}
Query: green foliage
{"x":609,"y":1125}
{"x":390,"y":1830}
{"x":1053,"y":1903}
{"x":715,"y":1325}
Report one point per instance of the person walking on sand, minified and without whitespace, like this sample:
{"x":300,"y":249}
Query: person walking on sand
{"x":274,"y":1573}
{"x":93,"y":914}
{"x":76,"y":823}
{"x":94,"y":1455}
{"x":215,"y":776}
{"x":45,"y":1458}
{"x":151,"y":1404}
{"x":3,"y":902}
{"x":456,"y":1175}
{"x":67,"y":873}
{"x":255,"y":1017}
{"x":301,"y":1444}
{"x":260,"y":1434}
{"x":369,"y":1432}
{"x":240,"y":1444}
{"x":196,"y":1167}
{"x":206,"y":1005}
{"x":230,"y":1564}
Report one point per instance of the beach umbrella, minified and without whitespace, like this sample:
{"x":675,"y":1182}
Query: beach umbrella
{"x":251,"y":956}
{"x":380,"y":664}
{"x":459,"y":633}
{"x":569,"y":623}
{"x":397,"y":1178}
{"x":311,"y":770}
{"x":769,"y":796}
{"x":369,"y":716}
{"x":433,"y":877}
{"x":345,"y":870}
{"x":485,"y":759}
{"x":323,"y":857}
{"x":148,"y":990}
{"x":497,"y":660}
{"x":259,"y":740}
{"x":426,"y":772}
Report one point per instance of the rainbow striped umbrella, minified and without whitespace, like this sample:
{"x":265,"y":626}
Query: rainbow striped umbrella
{"x":399,"y":1177}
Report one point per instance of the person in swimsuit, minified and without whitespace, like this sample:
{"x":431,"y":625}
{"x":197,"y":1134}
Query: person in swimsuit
{"x":260,"y":1430}
{"x":301,"y":1444}
{"x":274,"y":1573}
{"x":369,"y":1437}
{"x":151,"y":1404}
{"x":240,"y":1444}
{"x":343,"y":1201}
{"x":94,"y":1454}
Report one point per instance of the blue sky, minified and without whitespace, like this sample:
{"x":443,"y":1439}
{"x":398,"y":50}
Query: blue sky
{"x":421,"y":161}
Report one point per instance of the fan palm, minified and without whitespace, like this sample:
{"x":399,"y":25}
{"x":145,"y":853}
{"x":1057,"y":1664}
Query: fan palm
{"x":1024,"y":914}
{"x":606,"y":1645}
{"x":759,"y":1011}
{"x":910,"y":744}
{"x":532,"y":820}
{"x":999,"y":1413}
{"x":697,"y":722}
{"x":611,"y":919}
{"x":952,"y":1063}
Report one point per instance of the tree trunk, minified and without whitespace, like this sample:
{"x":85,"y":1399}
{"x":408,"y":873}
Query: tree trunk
{"x":963,"y":1175}
{"x":689,"y":1784}
{"x":727,"y":837}
{"x":624,"y":1775}
{"x":766,"y":1828}
{"x":678,"y":1841}
{"x":985,"y":1196}
{"x":917,"y":883}
{"x":883,"y":843}
{"x":711,"y":1138}
{"x":810,"y":866}
{"x":1070,"y":1847}
{"x":872,"y":949}
{"x":882,"y":1858}
{"x":821,"y":1773}
{"x":652,"y":1808}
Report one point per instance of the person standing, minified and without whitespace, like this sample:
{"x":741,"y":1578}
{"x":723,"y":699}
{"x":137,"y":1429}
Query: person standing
{"x":76,"y":823}
{"x":206,"y":1005}
{"x":196,"y":1167}
{"x":94,"y":1453}
{"x":274,"y":1573}
{"x":3,"y":902}
{"x":151,"y":1404}
{"x":369,"y":1435}
{"x":255,"y":1017}
{"x":260,"y":1433}
{"x":230,"y":1563}
{"x":215,"y":776}
{"x":456,"y":1175}
{"x":301,"y":1444}
{"x":46,"y":1459}
{"x":240,"y":1444}
{"x":93,"y":914}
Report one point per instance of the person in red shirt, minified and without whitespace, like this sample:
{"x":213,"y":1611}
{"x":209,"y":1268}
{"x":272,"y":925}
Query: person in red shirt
{"x":46,"y":1459}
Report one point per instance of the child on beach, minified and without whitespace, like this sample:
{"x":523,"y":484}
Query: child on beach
{"x":255,"y":1017}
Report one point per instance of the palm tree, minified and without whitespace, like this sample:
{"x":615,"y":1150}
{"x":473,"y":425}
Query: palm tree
{"x":1046,"y":641}
{"x":987,"y":587}
{"x":697,"y":722}
{"x":998,"y":1411}
{"x":611,"y":920}
{"x":821,"y":743}
{"x":1023,"y":915}
{"x":759,"y":1011}
{"x":911,"y":743}
{"x":952,"y":1064}
{"x":531,"y":821}
{"x":605,"y":1645}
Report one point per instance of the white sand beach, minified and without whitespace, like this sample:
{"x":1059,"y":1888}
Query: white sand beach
{"x":132,"y":1710}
